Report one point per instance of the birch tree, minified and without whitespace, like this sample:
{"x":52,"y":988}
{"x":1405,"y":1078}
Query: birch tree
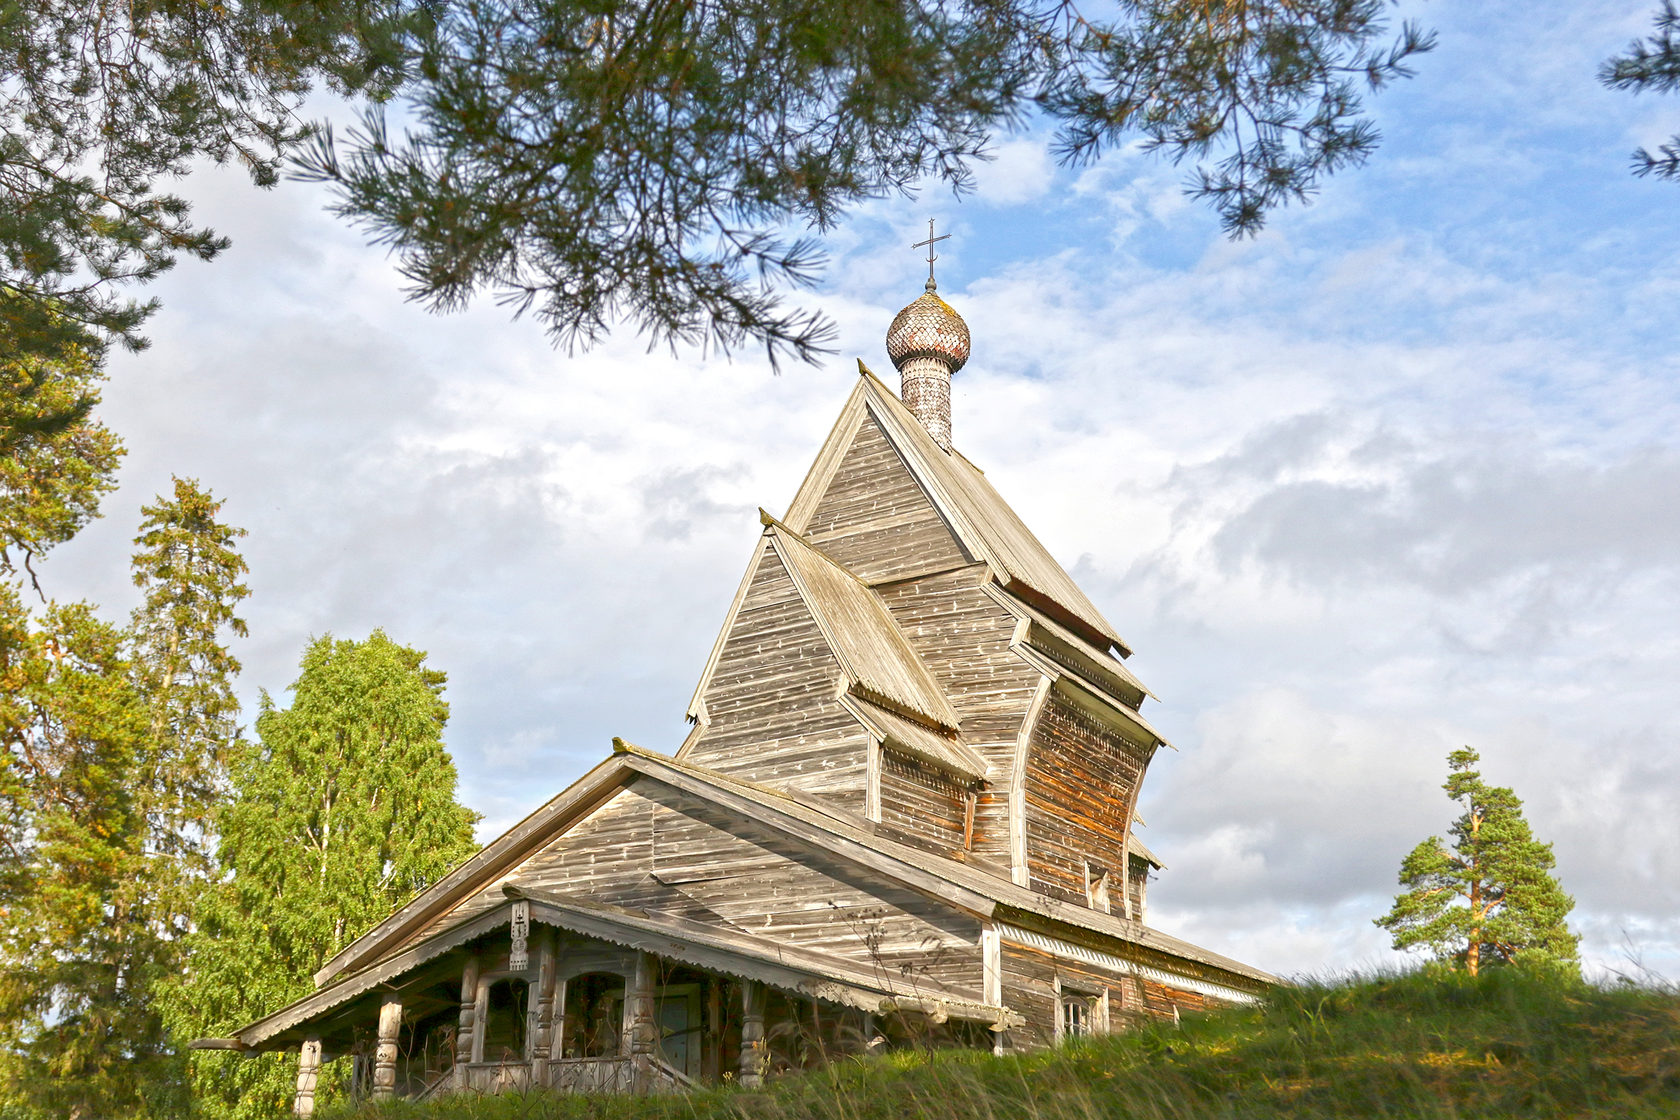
{"x":344,"y":808}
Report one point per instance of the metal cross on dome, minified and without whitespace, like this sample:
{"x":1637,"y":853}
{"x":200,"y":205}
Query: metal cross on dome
{"x":932,"y":256}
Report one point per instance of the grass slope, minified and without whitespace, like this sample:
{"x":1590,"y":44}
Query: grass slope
{"x":1422,"y":1045}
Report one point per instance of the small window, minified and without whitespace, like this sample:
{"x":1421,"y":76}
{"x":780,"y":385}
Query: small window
{"x":1096,"y":887}
{"x":1076,"y":1017}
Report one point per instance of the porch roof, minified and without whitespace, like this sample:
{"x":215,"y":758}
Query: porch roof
{"x":799,"y":971}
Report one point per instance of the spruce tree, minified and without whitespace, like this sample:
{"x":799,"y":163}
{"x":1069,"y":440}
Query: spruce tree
{"x":343,"y":809}
{"x":188,"y":571}
{"x":1490,"y":898}
{"x":79,"y":955}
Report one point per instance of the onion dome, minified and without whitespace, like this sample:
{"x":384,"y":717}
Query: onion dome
{"x":928,"y":328}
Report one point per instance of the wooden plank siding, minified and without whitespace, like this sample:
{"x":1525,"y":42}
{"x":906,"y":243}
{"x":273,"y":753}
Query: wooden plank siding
{"x":875,"y":519}
{"x":656,"y":848}
{"x":963,"y":636}
{"x":772,"y":706}
{"x":1034,"y":982}
{"x":920,"y":803}
{"x":1082,"y":783}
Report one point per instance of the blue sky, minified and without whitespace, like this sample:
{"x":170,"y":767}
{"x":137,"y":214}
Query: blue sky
{"x":1398,"y":475}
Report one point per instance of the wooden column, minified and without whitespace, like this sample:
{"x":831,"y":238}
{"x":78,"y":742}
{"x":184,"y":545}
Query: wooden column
{"x":557,"y":1038}
{"x":542,"y":992}
{"x":309,"y":1069}
{"x":753,"y":1053}
{"x":638,"y":1018}
{"x":469,"y":1019}
{"x":385,"y":1054}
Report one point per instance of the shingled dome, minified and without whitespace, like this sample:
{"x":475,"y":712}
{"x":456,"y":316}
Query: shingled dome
{"x":928,"y":342}
{"x":928,"y":328}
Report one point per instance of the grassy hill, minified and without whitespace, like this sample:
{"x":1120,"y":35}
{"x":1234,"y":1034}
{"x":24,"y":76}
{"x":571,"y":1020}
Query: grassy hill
{"x":1420,"y":1045}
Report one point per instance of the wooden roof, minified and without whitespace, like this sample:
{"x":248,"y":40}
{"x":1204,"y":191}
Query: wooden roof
{"x":976,"y":513}
{"x":835,"y":830}
{"x":873,"y":652}
{"x":877,"y":659}
{"x":946,"y":752}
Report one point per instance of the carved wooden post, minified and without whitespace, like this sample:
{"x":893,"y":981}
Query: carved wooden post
{"x":542,"y":991}
{"x":557,"y":1038}
{"x":638,"y":1011}
{"x":468,"y":1021}
{"x":385,"y":1054}
{"x":753,"y":1054}
{"x":309,"y":1068}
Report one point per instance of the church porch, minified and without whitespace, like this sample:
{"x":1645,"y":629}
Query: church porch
{"x":511,"y":999}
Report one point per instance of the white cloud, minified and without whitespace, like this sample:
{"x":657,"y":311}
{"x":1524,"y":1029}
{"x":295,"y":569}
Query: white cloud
{"x":1398,"y":476}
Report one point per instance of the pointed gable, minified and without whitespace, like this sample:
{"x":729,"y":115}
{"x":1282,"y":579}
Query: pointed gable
{"x":970,"y":510}
{"x":872,"y":651}
{"x":767,"y":704}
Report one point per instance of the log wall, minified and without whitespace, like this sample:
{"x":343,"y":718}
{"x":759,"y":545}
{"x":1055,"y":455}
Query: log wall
{"x":875,"y":519}
{"x":655,"y":848}
{"x":773,"y":713}
{"x":1081,"y":787}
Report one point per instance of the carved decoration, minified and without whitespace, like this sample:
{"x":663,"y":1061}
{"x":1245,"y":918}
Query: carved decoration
{"x":520,"y":958}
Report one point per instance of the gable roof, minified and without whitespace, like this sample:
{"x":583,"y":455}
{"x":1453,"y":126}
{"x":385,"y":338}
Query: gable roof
{"x":791,"y":968}
{"x":877,"y":659}
{"x":836,"y":831}
{"x":976,"y":513}
{"x":947,"y":752}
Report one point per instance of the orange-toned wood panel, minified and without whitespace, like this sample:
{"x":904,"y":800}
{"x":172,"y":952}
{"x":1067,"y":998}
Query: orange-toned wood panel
{"x":1081,"y":788}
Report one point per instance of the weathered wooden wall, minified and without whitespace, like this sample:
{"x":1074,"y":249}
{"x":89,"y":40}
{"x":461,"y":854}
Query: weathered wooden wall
{"x":920,"y":803}
{"x":963,"y":637}
{"x":1082,"y":780}
{"x":875,"y":519}
{"x":652,"y":847}
{"x":771,"y":701}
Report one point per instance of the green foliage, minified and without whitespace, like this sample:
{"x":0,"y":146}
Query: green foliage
{"x":79,"y":1036}
{"x":1491,"y":897}
{"x":188,"y":572}
{"x":342,"y":811}
{"x":593,"y":161}
{"x":1508,"y":1045}
{"x":56,"y":462}
{"x":103,"y":99}
{"x":1652,"y":64}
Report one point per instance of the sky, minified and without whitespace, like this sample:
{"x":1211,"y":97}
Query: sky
{"x":1399,"y":475}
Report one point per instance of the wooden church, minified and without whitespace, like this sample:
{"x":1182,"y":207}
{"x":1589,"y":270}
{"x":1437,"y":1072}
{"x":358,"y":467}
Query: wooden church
{"x":904,"y":815}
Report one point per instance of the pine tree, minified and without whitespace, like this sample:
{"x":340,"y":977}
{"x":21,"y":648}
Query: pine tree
{"x":1489,"y":899}
{"x":1654,"y":65}
{"x":342,"y":811}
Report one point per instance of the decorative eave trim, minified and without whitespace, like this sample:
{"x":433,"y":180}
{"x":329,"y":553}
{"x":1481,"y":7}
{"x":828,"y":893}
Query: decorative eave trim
{"x":1057,"y":947}
{"x":1066,"y":647}
{"x":956,"y":757}
{"x":1091,"y":699}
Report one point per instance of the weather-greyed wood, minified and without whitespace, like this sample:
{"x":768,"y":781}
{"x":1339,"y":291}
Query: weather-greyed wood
{"x":657,"y":849}
{"x":876,"y":520}
{"x":771,"y":703}
{"x":1081,"y":784}
{"x":963,"y":636}
{"x":921,"y":802}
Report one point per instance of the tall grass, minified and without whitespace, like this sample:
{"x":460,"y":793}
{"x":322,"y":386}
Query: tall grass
{"x":1424,"y":1045}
